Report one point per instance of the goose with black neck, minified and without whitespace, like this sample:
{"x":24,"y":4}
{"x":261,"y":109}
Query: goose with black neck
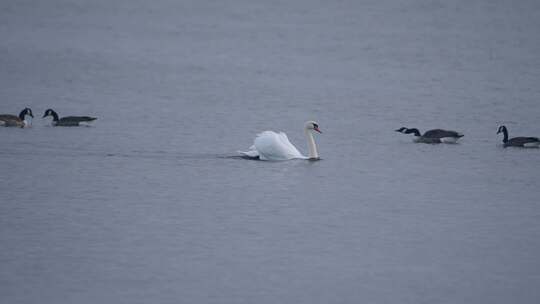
{"x":68,"y":121}
{"x":435,"y":136}
{"x":524,"y":142}
{"x":8,"y":120}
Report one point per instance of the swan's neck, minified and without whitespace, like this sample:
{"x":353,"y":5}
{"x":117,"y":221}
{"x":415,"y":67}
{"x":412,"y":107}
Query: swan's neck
{"x":312,"y":148}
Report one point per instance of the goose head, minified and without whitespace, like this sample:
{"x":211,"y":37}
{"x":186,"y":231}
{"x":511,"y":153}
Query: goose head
{"x":501,"y":129}
{"x":401,"y":130}
{"x":51,"y":112}
{"x":409,"y":131}
{"x":48,"y":112}
{"x":26,"y":111}
{"x":312,"y":125}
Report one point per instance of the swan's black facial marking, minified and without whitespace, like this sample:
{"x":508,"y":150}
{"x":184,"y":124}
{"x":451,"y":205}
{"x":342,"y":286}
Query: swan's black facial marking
{"x":315,"y":126}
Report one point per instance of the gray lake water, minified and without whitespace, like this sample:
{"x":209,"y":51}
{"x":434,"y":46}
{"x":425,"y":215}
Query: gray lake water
{"x":148,"y":206}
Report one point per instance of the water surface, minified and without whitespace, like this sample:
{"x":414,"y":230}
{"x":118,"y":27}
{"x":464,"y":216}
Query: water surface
{"x":147,"y":206}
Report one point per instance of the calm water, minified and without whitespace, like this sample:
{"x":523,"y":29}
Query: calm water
{"x":147,"y":206}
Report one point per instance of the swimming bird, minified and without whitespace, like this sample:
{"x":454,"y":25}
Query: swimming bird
{"x":273,"y":146}
{"x":68,"y":121}
{"x":526,"y":142}
{"x":8,"y":120}
{"x":434,"y":136}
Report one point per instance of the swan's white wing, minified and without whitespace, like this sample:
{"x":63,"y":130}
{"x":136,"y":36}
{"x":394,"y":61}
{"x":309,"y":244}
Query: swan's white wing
{"x":275,"y":146}
{"x":290,"y":147}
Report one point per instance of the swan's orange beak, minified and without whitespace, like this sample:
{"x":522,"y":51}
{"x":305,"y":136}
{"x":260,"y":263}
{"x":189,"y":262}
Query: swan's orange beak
{"x":317,"y":129}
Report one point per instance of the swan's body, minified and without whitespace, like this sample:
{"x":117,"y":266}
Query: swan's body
{"x":525,"y":142}
{"x":68,"y":121}
{"x":434,"y":136}
{"x":273,"y":146}
{"x":8,"y":120}
{"x":270,"y":145}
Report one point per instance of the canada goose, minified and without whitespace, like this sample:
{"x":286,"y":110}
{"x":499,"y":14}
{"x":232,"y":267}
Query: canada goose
{"x":68,"y":121}
{"x":434,"y":136}
{"x":8,"y":120}
{"x":526,"y":142}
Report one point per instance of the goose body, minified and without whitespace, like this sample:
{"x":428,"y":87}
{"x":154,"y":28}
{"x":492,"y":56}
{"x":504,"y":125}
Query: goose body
{"x":275,"y":146}
{"x":8,"y":120}
{"x":434,"y":136}
{"x":68,"y":121}
{"x":525,"y":142}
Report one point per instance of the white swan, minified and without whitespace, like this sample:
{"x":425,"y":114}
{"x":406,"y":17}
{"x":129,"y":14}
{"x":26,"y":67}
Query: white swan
{"x":273,"y":146}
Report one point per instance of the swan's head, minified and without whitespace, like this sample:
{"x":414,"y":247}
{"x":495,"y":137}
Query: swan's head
{"x":501,"y":129}
{"x":312,"y":125}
